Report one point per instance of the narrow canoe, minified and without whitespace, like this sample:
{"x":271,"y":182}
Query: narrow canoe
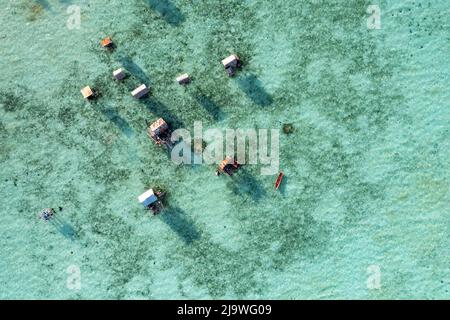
{"x":278,"y":182}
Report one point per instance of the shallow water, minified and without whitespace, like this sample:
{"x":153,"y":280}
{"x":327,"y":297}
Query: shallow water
{"x":367,"y":171}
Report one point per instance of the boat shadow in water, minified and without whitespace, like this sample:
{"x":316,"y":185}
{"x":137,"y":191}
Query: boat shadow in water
{"x":120,"y":122}
{"x":168,"y":11}
{"x":64,"y":228}
{"x":180,"y":223}
{"x":253,"y":88}
{"x":282,"y":187}
{"x":244,"y":184}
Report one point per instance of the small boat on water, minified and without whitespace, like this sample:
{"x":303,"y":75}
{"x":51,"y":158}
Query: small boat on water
{"x":279,"y":179}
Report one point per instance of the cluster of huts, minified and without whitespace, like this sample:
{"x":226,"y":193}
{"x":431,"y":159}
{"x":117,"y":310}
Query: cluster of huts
{"x":159,"y":131}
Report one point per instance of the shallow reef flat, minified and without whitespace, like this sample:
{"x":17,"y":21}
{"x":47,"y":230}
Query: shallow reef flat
{"x":364,"y":144}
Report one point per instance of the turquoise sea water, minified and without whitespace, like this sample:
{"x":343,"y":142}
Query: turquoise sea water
{"x":367,"y":167}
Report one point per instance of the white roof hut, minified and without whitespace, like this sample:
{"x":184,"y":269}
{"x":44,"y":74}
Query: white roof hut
{"x":147,"y":198}
{"x":87,"y":92}
{"x":140,"y":91}
{"x":183,"y":79}
{"x":231,"y":61}
{"x":158,"y":127}
{"x":119,"y":74}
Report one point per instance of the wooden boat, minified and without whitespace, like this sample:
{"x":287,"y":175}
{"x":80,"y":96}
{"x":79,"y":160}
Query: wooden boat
{"x":279,"y":179}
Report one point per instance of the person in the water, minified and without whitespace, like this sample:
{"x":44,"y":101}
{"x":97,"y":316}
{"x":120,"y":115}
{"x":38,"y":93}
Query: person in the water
{"x":47,"y":214}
